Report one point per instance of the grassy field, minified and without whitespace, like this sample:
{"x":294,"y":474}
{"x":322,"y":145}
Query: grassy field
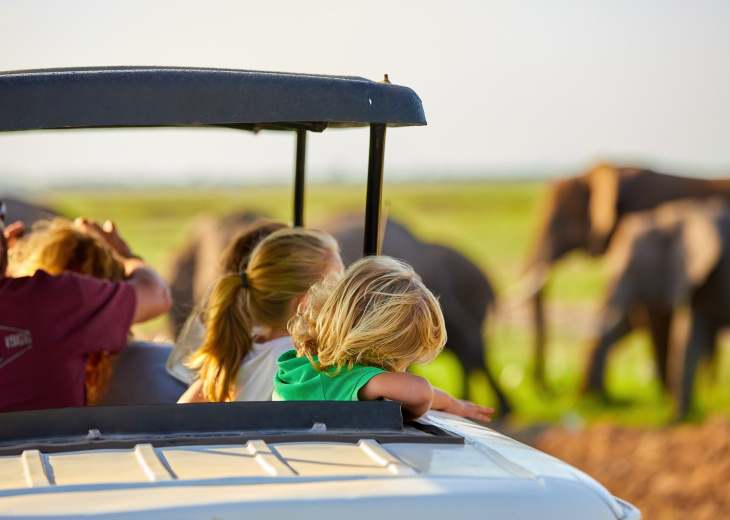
{"x":494,"y":225}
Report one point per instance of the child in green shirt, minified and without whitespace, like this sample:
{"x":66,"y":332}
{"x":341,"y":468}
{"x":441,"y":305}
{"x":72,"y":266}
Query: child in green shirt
{"x":355,"y":337}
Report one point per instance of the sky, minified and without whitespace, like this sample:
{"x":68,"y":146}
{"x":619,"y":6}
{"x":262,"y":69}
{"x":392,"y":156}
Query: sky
{"x":509,"y":87}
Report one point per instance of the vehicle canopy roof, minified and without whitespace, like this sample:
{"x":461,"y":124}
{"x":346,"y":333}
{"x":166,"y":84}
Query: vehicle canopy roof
{"x":95,"y":97}
{"x":171,"y":96}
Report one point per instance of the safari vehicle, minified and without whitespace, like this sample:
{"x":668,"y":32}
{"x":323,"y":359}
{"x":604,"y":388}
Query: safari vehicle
{"x":261,"y":459}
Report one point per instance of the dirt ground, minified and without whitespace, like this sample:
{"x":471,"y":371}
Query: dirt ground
{"x":675,"y":472}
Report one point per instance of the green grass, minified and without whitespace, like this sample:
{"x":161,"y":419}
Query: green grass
{"x":494,"y":225}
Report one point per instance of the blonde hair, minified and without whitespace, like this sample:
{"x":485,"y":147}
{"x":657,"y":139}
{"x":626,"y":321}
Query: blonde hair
{"x":282,"y":267}
{"x":235,"y":256}
{"x":378,"y":314}
{"x":59,"y":245}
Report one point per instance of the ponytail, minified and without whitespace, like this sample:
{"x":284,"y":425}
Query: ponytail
{"x":227,"y":339}
{"x":282,"y":267}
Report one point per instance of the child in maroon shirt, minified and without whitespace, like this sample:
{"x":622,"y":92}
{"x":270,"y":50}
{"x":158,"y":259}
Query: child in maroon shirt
{"x":49,"y":324}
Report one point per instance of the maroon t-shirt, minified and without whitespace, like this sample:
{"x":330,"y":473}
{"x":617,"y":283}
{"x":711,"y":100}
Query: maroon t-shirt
{"x":48,"y":326}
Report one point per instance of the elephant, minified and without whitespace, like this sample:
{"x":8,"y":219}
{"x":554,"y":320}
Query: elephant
{"x":671,"y":273}
{"x":465,"y":293}
{"x":582,"y":213}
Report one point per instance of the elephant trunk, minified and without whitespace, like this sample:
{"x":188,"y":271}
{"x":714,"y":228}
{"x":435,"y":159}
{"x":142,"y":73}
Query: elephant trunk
{"x":615,"y":324}
{"x":547,"y":250}
{"x":531,"y":283}
{"x":532,"y":288}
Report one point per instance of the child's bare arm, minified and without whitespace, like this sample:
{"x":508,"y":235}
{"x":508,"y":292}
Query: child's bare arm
{"x":194,"y":394}
{"x":463,"y":408}
{"x":414,"y":392}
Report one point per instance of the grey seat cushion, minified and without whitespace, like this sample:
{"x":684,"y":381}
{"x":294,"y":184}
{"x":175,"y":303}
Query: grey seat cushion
{"x":140,"y":377}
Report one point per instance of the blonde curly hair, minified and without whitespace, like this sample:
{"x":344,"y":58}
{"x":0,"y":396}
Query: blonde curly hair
{"x":379,"y":313}
{"x":59,"y":245}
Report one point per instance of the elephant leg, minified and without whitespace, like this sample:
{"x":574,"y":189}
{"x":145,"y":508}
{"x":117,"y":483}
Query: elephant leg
{"x":473,"y":361}
{"x":685,"y":357}
{"x":615,"y":325}
{"x":504,"y":407}
{"x":181,"y":288}
{"x":659,"y":323}
{"x":714,"y":358}
{"x":540,"y":340}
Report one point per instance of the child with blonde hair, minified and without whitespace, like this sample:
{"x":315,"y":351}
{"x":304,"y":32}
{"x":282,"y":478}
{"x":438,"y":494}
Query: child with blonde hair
{"x":59,"y":245}
{"x":247,"y":313}
{"x":234,"y":259}
{"x":355,"y":337}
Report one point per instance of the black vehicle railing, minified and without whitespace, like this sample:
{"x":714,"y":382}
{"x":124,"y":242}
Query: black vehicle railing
{"x":117,"y":427}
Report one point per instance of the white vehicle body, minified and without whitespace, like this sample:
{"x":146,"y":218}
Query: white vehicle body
{"x":488,"y":476}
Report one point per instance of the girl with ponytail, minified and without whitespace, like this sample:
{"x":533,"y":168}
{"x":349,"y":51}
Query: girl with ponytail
{"x":233,"y":260}
{"x":247,"y":313}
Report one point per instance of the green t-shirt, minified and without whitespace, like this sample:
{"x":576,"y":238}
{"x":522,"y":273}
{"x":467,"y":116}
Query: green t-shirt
{"x":298,"y":380}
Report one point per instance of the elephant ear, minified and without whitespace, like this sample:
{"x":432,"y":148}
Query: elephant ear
{"x":702,"y":248}
{"x":604,"y":185}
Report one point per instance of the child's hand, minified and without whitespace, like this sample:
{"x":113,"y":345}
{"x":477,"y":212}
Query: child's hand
{"x":464,"y":408}
{"x":108,"y":233}
{"x":13,"y":232}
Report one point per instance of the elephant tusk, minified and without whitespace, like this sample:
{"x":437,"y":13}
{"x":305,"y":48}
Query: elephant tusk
{"x":526,"y":287}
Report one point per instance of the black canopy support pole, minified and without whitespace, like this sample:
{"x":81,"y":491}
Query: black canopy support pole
{"x":299,"y":178}
{"x":371,"y":244}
